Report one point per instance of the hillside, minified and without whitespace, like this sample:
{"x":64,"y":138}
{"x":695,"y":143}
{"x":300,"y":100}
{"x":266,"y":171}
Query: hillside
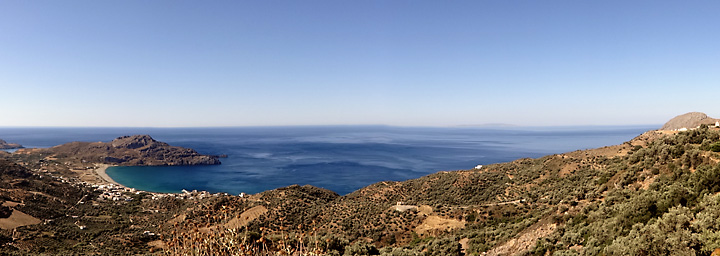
{"x":654,"y":195}
{"x":44,"y":215}
{"x":657,"y":194}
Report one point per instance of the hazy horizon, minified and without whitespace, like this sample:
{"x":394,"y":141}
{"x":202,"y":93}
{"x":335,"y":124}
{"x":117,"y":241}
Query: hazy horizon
{"x":478,"y":126}
{"x":396,"y":63}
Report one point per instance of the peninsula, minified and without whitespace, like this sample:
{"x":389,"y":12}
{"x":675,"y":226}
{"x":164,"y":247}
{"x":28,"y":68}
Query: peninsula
{"x":136,"y":150}
{"x":6,"y":145}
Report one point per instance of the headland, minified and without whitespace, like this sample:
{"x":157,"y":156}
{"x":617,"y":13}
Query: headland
{"x":6,"y":145}
{"x":87,"y":162}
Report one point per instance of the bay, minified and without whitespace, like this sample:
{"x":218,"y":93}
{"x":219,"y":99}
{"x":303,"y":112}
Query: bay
{"x":339,"y":158}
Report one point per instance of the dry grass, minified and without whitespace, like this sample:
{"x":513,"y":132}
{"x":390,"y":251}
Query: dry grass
{"x":435,"y":224}
{"x":233,"y":238}
{"x":18,"y":219}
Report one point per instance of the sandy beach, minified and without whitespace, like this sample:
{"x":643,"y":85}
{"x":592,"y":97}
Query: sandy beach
{"x":101,"y":171}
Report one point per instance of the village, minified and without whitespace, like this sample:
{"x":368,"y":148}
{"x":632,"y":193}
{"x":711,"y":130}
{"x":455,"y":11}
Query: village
{"x":84,"y":174}
{"x":717,"y":125}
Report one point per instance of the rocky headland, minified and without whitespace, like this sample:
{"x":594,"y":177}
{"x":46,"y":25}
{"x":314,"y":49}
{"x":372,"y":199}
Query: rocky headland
{"x":136,"y":150}
{"x":6,"y":145}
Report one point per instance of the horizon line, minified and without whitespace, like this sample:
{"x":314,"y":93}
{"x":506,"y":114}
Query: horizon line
{"x":489,"y":126}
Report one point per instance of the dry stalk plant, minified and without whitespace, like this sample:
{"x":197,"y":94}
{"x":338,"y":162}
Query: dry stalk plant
{"x":192,"y":238}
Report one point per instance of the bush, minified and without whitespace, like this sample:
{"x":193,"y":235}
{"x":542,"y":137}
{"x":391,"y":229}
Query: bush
{"x":444,"y":246}
{"x":715,"y":147}
{"x":566,"y":253}
{"x":361,"y":248}
{"x":669,"y":235}
{"x":387,"y":251}
{"x":5,"y":212}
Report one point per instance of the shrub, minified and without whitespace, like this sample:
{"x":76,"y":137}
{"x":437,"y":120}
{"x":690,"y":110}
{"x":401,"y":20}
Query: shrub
{"x":715,"y":147}
{"x":361,"y":248}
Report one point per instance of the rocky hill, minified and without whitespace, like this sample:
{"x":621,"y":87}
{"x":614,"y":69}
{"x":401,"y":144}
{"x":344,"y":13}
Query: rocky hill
{"x":127,"y":150}
{"x":689,"y":121}
{"x":5,"y":145}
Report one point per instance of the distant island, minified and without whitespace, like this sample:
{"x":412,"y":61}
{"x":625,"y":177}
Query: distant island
{"x":6,"y":145}
{"x":488,"y":125}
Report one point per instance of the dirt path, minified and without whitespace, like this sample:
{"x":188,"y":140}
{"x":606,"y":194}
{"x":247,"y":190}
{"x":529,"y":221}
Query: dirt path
{"x":519,"y":201}
{"x":464,"y":245}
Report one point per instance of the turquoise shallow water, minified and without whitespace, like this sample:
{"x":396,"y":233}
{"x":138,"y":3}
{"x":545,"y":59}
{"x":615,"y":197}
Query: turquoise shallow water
{"x":342,"y":158}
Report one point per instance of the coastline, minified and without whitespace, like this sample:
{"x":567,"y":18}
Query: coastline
{"x":101,"y":171}
{"x":367,"y":155}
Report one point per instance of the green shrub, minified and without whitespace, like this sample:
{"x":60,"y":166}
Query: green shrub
{"x":715,"y":147}
{"x":443,"y":246}
{"x":361,"y":248}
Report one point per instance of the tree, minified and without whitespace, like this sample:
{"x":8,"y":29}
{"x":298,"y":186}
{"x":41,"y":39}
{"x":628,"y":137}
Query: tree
{"x":708,"y":223}
{"x":669,"y":235}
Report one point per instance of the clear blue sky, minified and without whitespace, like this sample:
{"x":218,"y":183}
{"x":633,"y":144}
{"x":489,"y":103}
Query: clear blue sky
{"x":409,"y":63}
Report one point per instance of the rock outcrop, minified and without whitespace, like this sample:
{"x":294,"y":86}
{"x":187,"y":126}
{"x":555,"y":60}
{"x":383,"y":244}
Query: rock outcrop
{"x":689,"y":121}
{"x":131,"y":151}
{"x":5,"y":145}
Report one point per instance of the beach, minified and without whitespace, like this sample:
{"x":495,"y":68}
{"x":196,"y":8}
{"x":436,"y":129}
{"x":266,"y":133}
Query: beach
{"x":101,"y":172}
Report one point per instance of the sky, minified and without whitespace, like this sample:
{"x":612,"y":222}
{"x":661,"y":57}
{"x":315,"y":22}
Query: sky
{"x":404,"y":63}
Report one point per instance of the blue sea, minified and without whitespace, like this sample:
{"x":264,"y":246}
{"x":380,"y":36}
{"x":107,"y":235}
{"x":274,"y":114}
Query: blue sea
{"x":340,"y":158}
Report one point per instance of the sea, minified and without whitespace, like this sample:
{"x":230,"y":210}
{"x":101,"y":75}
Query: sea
{"x":339,"y":158}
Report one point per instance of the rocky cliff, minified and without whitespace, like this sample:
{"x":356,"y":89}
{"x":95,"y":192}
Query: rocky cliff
{"x":130,"y":150}
{"x":5,"y":145}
